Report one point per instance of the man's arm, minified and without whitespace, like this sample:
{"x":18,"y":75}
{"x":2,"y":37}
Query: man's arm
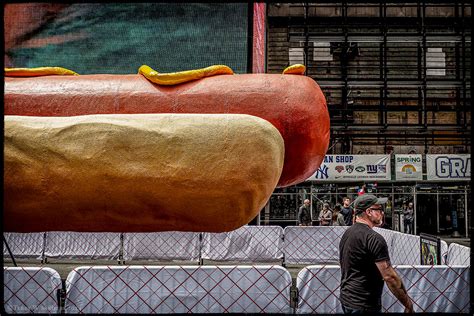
{"x":395,"y":284}
{"x":300,"y":213}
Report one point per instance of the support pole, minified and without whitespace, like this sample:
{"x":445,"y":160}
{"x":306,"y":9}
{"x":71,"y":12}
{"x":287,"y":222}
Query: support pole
{"x":43,"y":257}
{"x":10,"y":252}
{"x":414,"y":210}
{"x":466,"y":222}
{"x":437,"y":211}
{"x":267,"y":213}
{"x":201,"y":260}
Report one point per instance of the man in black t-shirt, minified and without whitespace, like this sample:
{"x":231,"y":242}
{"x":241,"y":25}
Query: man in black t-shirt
{"x":347,"y":210}
{"x":365,"y":262}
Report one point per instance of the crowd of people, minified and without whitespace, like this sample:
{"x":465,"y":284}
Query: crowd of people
{"x":342,"y":214}
{"x":339,"y":215}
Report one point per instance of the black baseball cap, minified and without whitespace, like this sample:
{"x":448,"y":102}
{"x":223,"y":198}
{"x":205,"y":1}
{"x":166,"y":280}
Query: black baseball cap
{"x":365,"y":201}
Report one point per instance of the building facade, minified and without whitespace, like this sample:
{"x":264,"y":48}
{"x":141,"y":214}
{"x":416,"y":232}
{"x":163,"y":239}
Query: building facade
{"x":397,"y":81}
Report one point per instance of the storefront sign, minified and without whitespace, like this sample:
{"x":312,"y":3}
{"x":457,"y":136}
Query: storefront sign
{"x":408,"y":167}
{"x":448,"y":167}
{"x":430,"y":250}
{"x":353,"y":168}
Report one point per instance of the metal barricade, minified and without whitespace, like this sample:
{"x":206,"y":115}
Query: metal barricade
{"x":443,"y":289}
{"x":171,"y":245}
{"x":248,"y":243}
{"x":28,"y":290}
{"x":459,"y":255}
{"x":178,"y":289}
{"x":74,"y":245}
{"x":312,"y":244}
{"x":433,"y":289}
{"x":405,"y":249}
{"x":25,"y":245}
{"x":318,"y":288}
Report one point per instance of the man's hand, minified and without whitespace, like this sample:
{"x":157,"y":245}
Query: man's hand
{"x":409,"y":309}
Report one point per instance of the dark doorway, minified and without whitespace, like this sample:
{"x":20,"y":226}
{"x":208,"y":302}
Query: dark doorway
{"x":452,"y":213}
{"x":426,"y":213}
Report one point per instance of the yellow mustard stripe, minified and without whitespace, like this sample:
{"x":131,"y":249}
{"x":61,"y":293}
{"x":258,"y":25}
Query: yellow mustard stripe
{"x":174,"y":78}
{"x":39,"y":71}
{"x":296,"y":69}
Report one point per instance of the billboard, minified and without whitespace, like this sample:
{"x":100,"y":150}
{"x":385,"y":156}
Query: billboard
{"x":353,"y":168}
{"x":117,"y":38}
{"x":448,"y":167}
{"x":408,"y":167}
{"x":430,"y":250}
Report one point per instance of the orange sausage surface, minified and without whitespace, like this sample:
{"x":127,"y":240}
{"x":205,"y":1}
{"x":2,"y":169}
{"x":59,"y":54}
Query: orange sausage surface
{"x":294,"y":104}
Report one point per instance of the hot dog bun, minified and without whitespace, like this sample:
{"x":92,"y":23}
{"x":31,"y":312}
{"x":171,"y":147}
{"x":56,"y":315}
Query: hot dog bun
{"x":139,"y":172}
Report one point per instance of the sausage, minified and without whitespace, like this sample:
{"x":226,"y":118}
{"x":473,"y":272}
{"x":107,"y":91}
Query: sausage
{"x":138,"y":173}
{"x":294,"y":104}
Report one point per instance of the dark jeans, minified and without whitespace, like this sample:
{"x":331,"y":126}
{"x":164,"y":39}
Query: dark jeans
{"x":408,"y":226}
{"x":348,"y":310}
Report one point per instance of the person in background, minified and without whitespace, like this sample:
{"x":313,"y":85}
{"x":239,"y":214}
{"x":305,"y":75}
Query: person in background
{"x":388,"y":215}
{"x":408,"y":218}
{"x":337,"y":218}
{"x":347,"y":211}
{"x":384,"y":223}
{"x":365,"y":262}
{"x":325,"y":215}
{"x":304,"y":214}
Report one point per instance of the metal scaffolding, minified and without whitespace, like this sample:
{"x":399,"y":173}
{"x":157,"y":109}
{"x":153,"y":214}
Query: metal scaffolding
{"x":393,"y":74}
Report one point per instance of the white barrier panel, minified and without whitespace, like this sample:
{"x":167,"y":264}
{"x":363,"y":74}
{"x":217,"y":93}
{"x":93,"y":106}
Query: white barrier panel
{"x":247,"y":243}
{"x":405,"y":249}
{"x":444,"y":253}
{"x":28,"y":290}
{"x":440,"y":289}
{"x":433,"y":289}
{"x":399,"y":247}
{"x":459,"y":255}
{"x":178,"y":289}
{"x":318,"y":288}
{"x":74,"y":245}
{"x":161,"y":246}
{"x":312,"y":244}
{"x":388,"y":235}
{"x":24,"y":245}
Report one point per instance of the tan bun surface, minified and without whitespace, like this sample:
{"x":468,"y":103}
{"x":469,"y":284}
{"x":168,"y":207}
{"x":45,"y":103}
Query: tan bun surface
{"x":139,"y":172}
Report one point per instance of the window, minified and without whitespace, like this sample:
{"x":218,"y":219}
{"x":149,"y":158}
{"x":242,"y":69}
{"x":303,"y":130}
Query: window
{"x":435,"y":62}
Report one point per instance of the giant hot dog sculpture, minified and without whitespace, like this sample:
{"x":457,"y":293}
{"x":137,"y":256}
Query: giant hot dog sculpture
{"x":69,"y":168}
